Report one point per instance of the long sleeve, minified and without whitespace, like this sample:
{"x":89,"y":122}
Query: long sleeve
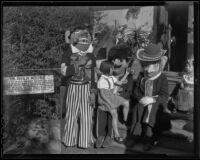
{"x":163,"y":91}
{"x":66,"y":55}
{"x":66,"y":59}
{"x":137,"y":92}
{"x":160,"y":89}
{"x":93,"y":83}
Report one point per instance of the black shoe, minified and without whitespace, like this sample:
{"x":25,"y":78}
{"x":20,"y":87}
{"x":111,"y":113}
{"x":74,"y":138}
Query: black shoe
{"x":107,"y":142}
{"x":133,"y":140}
{"x":119,"y":140}
{"x":130,"y":142}
{"x":99,"y":141}
{"x":150,"y":145}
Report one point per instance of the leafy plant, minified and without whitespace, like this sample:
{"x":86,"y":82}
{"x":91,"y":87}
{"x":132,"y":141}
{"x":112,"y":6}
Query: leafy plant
{"x":33,"y":38}
{"x":135,"y":38}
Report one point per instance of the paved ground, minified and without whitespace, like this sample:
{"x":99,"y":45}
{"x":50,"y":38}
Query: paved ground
{"x":169,"y":147}
{"x":116,"y":148}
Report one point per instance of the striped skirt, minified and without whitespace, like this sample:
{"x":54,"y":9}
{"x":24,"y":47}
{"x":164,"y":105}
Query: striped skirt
{"x":77,"y":106}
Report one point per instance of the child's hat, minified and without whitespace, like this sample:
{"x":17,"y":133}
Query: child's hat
{"x":150,"y":53}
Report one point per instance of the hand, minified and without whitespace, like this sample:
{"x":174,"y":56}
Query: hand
{"x":94,"y":91}
{"x":117,"y":93}
{"x":63,"y":112}
{"x":125,"y":81}
{"x":166,"y":110}
{"x":147,"y":100}
{"x":171,"y":99}
{"x":128,"y":71}
{"x":63,"y":69}
{"x":92,"y":99}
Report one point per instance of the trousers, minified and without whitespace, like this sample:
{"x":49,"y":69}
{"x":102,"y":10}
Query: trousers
{"x":77,"y":106}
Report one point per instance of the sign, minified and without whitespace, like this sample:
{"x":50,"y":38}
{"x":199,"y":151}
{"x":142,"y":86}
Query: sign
{"x":28,"y":84}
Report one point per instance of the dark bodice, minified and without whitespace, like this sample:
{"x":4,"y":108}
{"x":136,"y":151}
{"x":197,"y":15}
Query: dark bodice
{"x":79,"y":67}
{"x":82,"y":66}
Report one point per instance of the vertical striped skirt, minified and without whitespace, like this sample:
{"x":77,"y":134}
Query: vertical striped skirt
{"x":77,"y":105}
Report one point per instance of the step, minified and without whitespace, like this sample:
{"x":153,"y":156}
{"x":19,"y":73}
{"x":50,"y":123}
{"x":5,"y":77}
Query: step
{"x":157,"y":150}
{"x":181,"y":115}
{"x":176,"y":141}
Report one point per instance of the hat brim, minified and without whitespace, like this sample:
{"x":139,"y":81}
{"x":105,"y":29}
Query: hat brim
{"x":143,"y":56}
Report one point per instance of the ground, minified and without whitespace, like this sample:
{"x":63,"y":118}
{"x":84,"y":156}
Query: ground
{"x":116,"y":148}
{"x":166,"y":146}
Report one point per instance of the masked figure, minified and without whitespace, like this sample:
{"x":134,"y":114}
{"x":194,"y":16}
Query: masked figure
{"x":77,"y":66}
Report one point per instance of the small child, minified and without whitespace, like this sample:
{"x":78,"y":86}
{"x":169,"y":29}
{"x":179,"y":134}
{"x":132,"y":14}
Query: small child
{"x":109,"y":97}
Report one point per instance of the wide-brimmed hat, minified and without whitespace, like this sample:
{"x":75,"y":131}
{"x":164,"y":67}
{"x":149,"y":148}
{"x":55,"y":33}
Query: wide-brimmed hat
{"x":150,"y":53}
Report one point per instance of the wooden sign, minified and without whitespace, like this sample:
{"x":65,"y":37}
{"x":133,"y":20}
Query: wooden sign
{"x":28,"y":85}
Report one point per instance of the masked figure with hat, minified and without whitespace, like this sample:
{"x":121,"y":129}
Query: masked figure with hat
{"x":150,"y":94}
{"x":77,"y":66}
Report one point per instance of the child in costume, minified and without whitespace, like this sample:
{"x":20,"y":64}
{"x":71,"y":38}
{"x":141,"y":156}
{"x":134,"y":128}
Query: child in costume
{"x":150,"y":94}
{"x":108,"y":95}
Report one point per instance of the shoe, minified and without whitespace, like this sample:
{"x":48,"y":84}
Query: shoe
{"x":107,"y":142}
{"x":119,"y":140}
{"x":99,"y":141}
{"x":130,"y":143}
{"x":150,"y":145}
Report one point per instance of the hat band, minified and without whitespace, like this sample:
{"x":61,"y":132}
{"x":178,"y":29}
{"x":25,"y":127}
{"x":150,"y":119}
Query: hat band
{"x":150,"y":58}
{"x":144,"y":57}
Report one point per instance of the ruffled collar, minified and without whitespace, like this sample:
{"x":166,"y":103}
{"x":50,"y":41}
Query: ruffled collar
{"x":76,"y":50}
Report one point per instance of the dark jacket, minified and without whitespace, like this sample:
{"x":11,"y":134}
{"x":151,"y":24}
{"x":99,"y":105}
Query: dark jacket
{"x":160,"y":88}
{"x":66,"y":58}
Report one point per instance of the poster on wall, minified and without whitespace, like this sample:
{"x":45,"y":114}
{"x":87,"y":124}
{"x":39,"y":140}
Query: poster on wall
{"x":28,"y":85}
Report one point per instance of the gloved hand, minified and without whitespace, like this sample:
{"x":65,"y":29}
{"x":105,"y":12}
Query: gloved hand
{"x":147,"y":100}
{"x":92,"y":99}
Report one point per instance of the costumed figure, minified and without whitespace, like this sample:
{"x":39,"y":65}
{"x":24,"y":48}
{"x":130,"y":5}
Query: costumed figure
{"x":150,"y":94}
{"x":78,"y":66}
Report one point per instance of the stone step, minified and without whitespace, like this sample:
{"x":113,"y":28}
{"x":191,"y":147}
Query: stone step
{"x":176,"y":138}
{"x":158,"y":150}
{"x":181,"y":115}
{"x":176,"y":141}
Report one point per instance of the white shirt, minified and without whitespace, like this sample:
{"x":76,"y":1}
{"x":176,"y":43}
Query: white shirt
{"x":106,"y":82}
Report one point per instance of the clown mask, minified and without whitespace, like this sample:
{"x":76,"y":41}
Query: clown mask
{"x":119,"y":66}
{"x":150,"y":69}
{"x":80,"y":38}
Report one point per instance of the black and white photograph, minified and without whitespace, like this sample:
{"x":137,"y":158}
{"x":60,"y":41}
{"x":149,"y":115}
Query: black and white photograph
{"x":57,"y":57}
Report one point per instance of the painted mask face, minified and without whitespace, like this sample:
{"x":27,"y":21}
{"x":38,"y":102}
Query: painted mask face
{"x":119,"y":66}
{"x":151,"y":70}
{"x":81,"y":39}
